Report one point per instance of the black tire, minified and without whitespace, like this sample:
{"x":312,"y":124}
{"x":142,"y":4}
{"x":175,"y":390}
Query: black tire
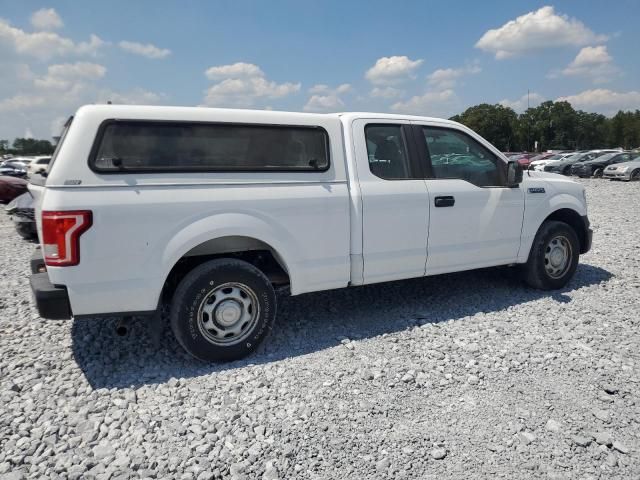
{"x":635,"y":175}
{"x":567,"y":170}
{"x":535,"y":271}
{"x":597,"y":173}
{"x":202,"y":287}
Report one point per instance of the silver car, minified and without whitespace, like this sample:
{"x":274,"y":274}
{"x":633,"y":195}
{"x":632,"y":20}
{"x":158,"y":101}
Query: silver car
{"x":623,"y":171}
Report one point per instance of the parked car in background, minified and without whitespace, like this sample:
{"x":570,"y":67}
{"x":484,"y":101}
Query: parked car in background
{"x":22,"y":162}
{"x":539,"y":164}
{"x":11,"y":187}
{"x":13,"y":170}
{"x":628,"y":171}
{"x":21,"y":211}
{"x":564,"y":165}
{"x":522,"y":158}
{"x":595,"y":167}
{"x":38,"y":165}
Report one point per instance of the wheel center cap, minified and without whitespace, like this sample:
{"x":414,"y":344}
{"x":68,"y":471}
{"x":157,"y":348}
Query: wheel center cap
{"x":557,"y":257}
{"x":228,"y":313}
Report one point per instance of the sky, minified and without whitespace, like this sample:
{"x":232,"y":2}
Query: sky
{"x":429,"y":58}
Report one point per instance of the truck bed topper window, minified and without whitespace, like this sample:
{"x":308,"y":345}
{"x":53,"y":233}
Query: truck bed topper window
{"x":167,"y":146}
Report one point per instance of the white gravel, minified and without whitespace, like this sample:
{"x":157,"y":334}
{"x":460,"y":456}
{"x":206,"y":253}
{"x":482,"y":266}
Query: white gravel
{"x":461,"y":376}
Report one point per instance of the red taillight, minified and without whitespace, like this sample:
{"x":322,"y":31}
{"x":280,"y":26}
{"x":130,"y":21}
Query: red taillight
{"x":61,"y":236}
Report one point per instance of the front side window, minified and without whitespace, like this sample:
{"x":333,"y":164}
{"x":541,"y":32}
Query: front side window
{"x":387,"y":152}
{"x":160,"y":146}
{"x":456,"y":155}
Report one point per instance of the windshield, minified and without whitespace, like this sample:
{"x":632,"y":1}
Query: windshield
{"x":575,"y":156}
{"x":607,"y":156}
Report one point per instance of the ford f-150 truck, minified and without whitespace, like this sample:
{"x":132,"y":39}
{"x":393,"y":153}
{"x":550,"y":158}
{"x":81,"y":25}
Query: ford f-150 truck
{"x":212,"y":210}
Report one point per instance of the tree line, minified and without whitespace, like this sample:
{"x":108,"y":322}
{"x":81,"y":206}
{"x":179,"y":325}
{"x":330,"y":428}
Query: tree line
{"x":553,"y":125}
{"x":26,"y":146}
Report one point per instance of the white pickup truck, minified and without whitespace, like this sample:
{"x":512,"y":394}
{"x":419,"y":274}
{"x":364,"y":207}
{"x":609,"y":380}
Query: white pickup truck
{"x":212,"y":210}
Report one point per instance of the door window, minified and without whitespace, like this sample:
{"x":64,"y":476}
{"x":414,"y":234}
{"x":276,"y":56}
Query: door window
{"x":454,"y":154}
{"x":387,"y":152}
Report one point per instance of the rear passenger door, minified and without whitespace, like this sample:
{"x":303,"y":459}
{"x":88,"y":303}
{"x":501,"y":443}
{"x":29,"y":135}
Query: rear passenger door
{"x":476,"y":220}
{"x":395,"y":206}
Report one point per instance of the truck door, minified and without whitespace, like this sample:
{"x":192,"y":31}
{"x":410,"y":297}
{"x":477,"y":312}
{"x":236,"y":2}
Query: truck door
{"x":476,"y":220}
{"x":395,"y":206}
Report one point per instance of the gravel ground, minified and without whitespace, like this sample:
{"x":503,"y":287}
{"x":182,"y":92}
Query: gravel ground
{"x":460,"y":376}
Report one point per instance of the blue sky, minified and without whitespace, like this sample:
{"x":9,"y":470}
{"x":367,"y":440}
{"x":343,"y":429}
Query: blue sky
{"x":428,"y":58}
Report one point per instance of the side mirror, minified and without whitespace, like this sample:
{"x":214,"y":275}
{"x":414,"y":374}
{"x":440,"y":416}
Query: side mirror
{"x":514,"y":173}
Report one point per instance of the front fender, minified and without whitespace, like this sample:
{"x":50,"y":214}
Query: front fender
{"x":538,"y":209}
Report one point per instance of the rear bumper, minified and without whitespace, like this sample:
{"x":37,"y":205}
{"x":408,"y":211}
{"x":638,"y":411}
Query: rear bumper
{"x":52,"y":301}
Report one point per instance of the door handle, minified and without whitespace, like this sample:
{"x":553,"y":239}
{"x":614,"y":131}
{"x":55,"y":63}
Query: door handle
{"x":446,"y":201}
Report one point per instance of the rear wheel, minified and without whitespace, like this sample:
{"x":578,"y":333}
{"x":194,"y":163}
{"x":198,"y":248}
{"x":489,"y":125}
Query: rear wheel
{"x":222,"y":310}
{"x":553,"y":258}
{"x":598,"y":172}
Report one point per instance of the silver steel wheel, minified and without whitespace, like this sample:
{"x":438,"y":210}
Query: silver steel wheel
{"x":228,"y":313}
{"x":557,"y":256}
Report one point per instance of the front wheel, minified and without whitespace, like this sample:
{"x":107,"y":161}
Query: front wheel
{"x":635,"y":175}
{"x":222,"y":310}
{"x":553,"y":258}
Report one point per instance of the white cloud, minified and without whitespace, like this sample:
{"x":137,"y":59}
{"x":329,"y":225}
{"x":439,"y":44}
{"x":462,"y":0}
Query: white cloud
{"x":432,"y":103}
{"x":243,"y":85}
{"x":20,"y":102}
{"x":46,"y":19}
{"x":446,"y":78}
{"x":536,"y":30}
{"x":594,"y":63}
{"x":138,"y":96}
{"x":64,"y":75}
{"x":57,"y":124}
{"x":236,"y":70}
{"x":324,"y":98}
{"x":520,"y":104}
{"x":604,"y":101}
{"x":392,"y":70}
{"x":325,"y":89}
{"x":145,"y":50}
{"x":386,"y":92}
{"x":45,"y":45}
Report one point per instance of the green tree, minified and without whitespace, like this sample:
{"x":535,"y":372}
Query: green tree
{"x":32,"y":146}
{"x":494,"y":122}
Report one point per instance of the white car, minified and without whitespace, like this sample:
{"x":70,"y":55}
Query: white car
{"x":212,"y":210}
{"x":38,"y":165}
{"x":539,"y":165}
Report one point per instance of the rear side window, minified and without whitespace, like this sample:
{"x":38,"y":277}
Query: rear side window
{"x":169,"y":146}
{"x":387,"y":152}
